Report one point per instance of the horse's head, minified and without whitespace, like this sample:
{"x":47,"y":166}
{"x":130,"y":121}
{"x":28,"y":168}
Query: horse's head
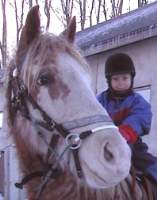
{"x":59,"y":94}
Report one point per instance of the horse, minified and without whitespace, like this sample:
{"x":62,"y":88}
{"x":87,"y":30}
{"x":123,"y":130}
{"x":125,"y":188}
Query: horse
{"x":67,"y":145}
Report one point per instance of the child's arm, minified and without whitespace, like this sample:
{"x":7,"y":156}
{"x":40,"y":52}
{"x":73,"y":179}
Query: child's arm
{"x":138,"y":122}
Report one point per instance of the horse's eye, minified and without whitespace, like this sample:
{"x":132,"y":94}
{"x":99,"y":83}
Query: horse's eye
{"x":44,"y":79}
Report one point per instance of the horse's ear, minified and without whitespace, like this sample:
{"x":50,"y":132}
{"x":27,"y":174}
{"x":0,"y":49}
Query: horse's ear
{"x":31,"y":28}
{"x":69,"y":33}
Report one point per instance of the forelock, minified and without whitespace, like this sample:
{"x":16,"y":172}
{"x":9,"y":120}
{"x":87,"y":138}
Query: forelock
{"x":43,"y":51}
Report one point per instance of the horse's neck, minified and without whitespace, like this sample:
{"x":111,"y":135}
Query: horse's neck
{"x":67,"y":188}
{"x":22,"y":134}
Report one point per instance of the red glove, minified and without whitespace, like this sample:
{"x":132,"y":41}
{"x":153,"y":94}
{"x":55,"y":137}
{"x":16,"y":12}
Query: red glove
{"x":128,"y":133}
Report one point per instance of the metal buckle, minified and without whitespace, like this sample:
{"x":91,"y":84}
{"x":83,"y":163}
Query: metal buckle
{"x":73,"y":140}
{"x":15,"y":73}
{"x":52,"y":124}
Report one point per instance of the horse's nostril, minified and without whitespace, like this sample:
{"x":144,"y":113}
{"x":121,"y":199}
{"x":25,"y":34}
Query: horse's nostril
{"x":108,"y":155}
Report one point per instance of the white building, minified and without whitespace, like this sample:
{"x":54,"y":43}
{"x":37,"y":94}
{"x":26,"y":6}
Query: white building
{"x":135,"y":34}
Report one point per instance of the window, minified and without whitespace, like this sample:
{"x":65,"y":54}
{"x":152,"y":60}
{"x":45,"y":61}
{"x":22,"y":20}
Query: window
{"x":145,"y":92}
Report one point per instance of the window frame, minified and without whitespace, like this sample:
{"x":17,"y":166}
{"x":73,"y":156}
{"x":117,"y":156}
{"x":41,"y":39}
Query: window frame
{"x":144,"y":88}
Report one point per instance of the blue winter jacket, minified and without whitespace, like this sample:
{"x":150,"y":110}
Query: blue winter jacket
{"x":133,"y":110}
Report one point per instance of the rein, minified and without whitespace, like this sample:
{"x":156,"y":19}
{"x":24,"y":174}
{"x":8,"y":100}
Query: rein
{"x":19,"y":98}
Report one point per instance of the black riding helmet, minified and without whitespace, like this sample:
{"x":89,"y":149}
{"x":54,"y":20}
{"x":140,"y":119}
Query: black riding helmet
{"x":119,"y":64}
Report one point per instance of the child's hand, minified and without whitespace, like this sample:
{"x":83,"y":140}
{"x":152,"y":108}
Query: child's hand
{"x":128,"y":133}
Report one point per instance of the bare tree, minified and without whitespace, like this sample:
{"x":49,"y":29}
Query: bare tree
{"x":129,"y":6}
{"x":67,"y":10}
{"x":3,"y":42}
{"x":91,"y":13}
{"x":30,"y":3}
{"x":98,"y":12}
{"x":60,"y":17}
{"x":116,"y":8}
{"x":104,"y":9}
{"x":142,"y":3}
{"x":82,"y":7}
{"x":47,"y":7}
{"x":120,"y":6}
{"x":19,"y":19}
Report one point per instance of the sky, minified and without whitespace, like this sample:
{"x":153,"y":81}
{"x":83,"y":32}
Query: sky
{"x":55,"y":26}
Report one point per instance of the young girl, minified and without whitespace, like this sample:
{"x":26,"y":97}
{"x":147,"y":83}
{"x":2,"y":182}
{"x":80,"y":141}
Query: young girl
{"x":129,"y":111}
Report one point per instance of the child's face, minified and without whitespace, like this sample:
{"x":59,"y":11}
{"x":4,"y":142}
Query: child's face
{"x":121,"y":82}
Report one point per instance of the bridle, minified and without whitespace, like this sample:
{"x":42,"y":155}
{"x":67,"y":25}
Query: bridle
{"x":19,"y":97}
